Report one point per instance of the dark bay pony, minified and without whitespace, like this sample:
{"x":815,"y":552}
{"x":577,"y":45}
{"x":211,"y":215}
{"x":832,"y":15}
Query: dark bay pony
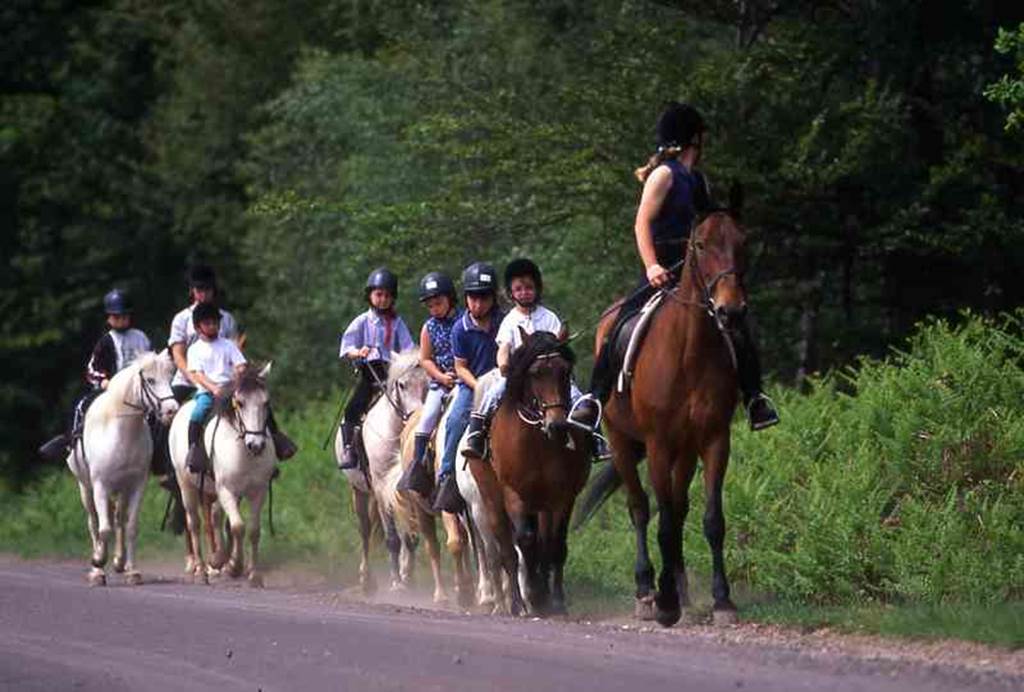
{"x":677,"y":409}
{"x":539,"y":464}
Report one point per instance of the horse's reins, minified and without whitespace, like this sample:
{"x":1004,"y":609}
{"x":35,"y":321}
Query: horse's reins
{"x":151,"y":401}
{"x":399,"y":409}
{"x":541,"y":407}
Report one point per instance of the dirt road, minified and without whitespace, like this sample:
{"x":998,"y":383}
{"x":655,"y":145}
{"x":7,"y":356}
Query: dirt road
{"x":56,"y":633}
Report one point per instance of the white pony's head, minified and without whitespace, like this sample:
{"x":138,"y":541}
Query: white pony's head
{"x":407,"y":380}
{"x":145,"y":385}
{"x":247,"y":395}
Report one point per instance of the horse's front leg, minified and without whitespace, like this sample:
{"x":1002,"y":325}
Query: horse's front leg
{"x":716,"y":460}
{"x":361,"y":504}
{"x":667,"y":609}
{"x":686,"y":466}
{"x":236,"y":563}
{"x":393,"y":542}
{"x":428,"y":528}
{"x":191,"y":501}
{"x":558,"y":552}
{"x":528,"y":541}
{"x":104,"y":520}
{"x":255,"y":508}
{"x":85,"y":492}
{"x":131,"y":504}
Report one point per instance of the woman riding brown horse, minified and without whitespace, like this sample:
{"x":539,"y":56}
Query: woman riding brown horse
{"x":678,"y":407}
{"x":539,"y":463}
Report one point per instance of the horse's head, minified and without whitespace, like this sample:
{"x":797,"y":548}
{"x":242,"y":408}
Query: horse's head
{"x":153,"y":384}
{"x":250,"y":402}
{"x":407,"y":381}
{"x":539,"y":374}
{"x":717,"y":261}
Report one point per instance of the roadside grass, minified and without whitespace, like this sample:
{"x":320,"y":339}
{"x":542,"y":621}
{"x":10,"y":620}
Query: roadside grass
{"x":890,"y":501}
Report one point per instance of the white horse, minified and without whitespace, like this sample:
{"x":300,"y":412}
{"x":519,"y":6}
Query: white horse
{"x":403,"y":395}
{"x":112,"y":460}
{"x":242,"y":461}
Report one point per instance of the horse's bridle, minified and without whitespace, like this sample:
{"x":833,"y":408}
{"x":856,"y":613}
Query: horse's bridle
{"x":239,"y":424}
{"x":706,"y":287}
{"x":540,"y":407}
{"x":151,"y":401}
{"x":396,"y":402}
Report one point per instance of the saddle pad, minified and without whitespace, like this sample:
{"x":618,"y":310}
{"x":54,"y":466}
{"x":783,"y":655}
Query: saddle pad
{"x":632,"y":335}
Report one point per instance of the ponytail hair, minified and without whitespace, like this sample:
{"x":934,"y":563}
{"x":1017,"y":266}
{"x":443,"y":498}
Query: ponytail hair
{"x":659,"y":157}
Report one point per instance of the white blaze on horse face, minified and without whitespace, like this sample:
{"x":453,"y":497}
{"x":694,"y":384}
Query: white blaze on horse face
{"x":251,"y":405}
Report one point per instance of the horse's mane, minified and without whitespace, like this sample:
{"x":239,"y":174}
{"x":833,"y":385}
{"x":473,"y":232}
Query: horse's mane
{"x":535,"y":345}
{"x":248,"y":380}
{"x":402,"y":364}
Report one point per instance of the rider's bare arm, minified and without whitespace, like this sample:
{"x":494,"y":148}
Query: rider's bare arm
{"x":464,"y":373}
{"x":504,"y":352}
{"x":357,"y":353}
{"x":204,"y":382}
{"x":178,"y":354}
{"x":655,"y":189}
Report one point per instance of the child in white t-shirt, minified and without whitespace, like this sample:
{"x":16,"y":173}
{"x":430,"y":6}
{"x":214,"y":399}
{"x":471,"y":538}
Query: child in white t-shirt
{"x":524,"y":285}
{"x":213,"y":362}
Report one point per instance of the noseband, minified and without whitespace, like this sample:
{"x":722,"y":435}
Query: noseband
{"x":150,"y":400}
{"x":534,"y":415}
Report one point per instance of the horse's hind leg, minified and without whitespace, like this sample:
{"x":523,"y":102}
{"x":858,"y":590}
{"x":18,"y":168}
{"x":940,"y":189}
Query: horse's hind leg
{"x":104,"y":530}
{"x":716,"y":459}
{"x":130,"y":503}
{"x":393,"y":542}
{"x":428,"y":528}
{"x":627,"y":466}
{"x":456,"y":544}
{"x":119,"y":518}
{"x":361,"y":504}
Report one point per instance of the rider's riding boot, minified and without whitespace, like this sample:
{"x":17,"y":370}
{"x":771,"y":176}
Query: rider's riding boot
{"x":55,"y":449}
{"x":284,"y":448}
{"x":601,"y":376}
{"x":417,"y":476}
{"x":349,"y":458}
{"x":760,"y":411}
{"x":476,"y":436}
{"x":196,"y":461}
{"x":448,"y":498}
{"x":602,"y":452}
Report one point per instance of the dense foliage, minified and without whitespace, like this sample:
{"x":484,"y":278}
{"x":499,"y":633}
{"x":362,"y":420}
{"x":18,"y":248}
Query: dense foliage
{"x":298,"y":144}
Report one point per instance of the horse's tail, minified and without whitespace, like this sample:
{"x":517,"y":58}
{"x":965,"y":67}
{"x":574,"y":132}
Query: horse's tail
{"x":598,"y":490}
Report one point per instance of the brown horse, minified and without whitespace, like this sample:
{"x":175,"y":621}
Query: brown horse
{"x":677,"y":408}
{"x":538,"y":465}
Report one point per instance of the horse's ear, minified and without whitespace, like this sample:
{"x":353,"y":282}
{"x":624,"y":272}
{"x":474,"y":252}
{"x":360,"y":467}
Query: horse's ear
{"x":265,"y":370}
{"x":522,"y":333}
{"x":736,"y":199}
{"x":166,"y":353}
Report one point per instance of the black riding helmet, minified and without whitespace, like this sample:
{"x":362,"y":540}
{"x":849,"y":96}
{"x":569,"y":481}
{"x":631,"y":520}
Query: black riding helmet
{"x":202,"y":276}
{"x":479,"y":278}
{"x":523,"y":267}
{"x":678,"y":125}
{"x":436,"y":284}
{"x":381,"y":277}
{"x":205,"y":311}
{"x":117,"y":302}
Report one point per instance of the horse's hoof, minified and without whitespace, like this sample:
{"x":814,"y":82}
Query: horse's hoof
{"x":440,"y":598}
{"x":643,"y":609}
{"x":398,"y":587}
{"x":465,"y":598}
{"x":118,"y":564}
{"x":557,"y":608}
{"x":234,"y":570}
{"x":97,"y":578}
{"x":256,"y":581}
{"x":723,"y":617}
{"x":133,"y":578}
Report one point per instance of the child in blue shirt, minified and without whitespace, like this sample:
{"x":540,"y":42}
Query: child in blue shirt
{"x":369,"y":340}
{"x":475,"y":352}
{"x":437,"y":293}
